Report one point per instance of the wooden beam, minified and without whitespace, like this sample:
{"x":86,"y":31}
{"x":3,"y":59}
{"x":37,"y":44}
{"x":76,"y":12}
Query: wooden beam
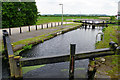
{"x":63,"y":58}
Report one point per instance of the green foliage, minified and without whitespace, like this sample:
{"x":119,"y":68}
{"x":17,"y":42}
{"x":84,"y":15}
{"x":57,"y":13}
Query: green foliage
{"x":112,"y":18}
{"x":15,"y":14}
{"x":103,"y":29}
{"x":27,"y":47}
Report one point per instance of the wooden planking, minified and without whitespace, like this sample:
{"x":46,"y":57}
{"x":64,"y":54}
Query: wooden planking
{"x":42,"y":60}
{"x":63,"y":58}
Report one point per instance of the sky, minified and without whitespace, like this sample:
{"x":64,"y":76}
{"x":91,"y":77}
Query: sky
{"x":109,"y":7}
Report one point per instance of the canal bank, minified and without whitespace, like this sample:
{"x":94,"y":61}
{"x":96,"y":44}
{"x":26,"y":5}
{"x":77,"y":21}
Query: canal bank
{"x":29,"y":39}
{"x":108,"y":67}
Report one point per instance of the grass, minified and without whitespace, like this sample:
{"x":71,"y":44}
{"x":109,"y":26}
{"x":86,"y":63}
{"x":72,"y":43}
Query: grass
{"x":42,"y":20}
{"x":110,"y":34}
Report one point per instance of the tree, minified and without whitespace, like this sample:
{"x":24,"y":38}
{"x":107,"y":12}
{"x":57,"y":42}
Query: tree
{"x":15,"y":14}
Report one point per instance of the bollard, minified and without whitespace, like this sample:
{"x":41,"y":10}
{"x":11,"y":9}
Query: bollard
{"x":9,"y":31}
{"x":113,"y":45}
{"x":17,"y":67}
{"x":36,"y":27}
{"x":20,"y":30}
{"x":118,"y":50}
{"x":29,"y":28}
{"x":72,"y":61}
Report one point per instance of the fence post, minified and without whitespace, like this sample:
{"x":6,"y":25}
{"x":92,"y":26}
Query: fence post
{"x":55,"y":24}
{"x":29,"y":28}
{"x":47,"y":25}
{"x":9,"y":31}
{"x":20,"y":30}
{"x":17,"y":67}
{"x":36,"y":27}
{"x":41,"y":26}
{"x":72,"y":61}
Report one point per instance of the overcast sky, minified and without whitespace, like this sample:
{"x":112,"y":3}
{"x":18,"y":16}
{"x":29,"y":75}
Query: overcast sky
{"x":109,"y":7}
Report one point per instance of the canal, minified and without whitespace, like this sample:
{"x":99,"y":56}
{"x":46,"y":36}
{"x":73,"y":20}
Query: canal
{"x":84,"y":40}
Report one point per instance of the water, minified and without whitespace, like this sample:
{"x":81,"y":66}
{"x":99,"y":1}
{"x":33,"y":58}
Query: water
{"x":84,"y":40}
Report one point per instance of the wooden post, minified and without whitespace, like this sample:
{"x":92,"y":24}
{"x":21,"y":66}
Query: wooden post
{"x":29,"y":28}
{"x":93,"y":26}
{"x":17,"y":67}
{"x":11,"y":64}
{"x":72,"y":61}
{"x":36,"y":27}
{"x":58,"y":23}
{"x":91,"y":69}
{"x":5,"y":33}
{"x":55,"y":24}
{"x":41,"y":26}
{"x":20,"y":30}
{"x":47,"y":25}
{"x":9,"y":31}
{"x":103,"y":24}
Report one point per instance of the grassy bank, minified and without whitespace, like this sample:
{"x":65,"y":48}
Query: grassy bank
{"x":112,"y":66}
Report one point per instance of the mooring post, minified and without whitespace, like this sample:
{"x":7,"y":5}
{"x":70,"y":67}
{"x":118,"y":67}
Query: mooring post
{"x":72,"y":61}
{"x":20,"y":30}
{"x":9,"y":31}
{"x":36,"y":27}
{"x":17,"y":67}
{"x":29,"y":28}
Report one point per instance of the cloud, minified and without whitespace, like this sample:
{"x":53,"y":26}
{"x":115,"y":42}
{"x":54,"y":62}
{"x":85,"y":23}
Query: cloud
{"x":78,"y":6}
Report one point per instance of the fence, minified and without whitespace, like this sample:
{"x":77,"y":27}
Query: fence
{"x":36,"y":27}
{"x":16,"y":63}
